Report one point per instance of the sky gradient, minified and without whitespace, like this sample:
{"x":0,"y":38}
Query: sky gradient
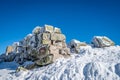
{"x":78,"y":19}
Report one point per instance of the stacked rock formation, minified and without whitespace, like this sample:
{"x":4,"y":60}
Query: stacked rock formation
{"x":43,"y":46}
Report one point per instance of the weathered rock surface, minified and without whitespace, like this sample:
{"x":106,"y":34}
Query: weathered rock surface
{"x":102,"y":41}
{"x":75,"y":45}
{"x":42,"y":47}
{"x":9,"y":49}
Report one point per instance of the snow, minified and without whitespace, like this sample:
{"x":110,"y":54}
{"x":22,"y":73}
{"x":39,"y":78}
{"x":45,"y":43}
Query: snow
{"x":28,"y":36}
{"x":36,"y":29}
{"x":75,"y":41}
{"x":89,"y":64}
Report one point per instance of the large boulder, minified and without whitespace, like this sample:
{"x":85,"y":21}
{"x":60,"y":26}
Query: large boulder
{"x":102,"y":41}
{"x":75,"y":45}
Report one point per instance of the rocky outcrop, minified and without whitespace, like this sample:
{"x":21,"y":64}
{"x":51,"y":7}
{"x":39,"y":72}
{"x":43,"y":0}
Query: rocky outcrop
{"x":45,"y":45}
{"x":42,"y":47}
{"x":75,"y":45}
{"x":102,"y":41}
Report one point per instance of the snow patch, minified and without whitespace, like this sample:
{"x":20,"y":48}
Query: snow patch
{"x":89,"y":64}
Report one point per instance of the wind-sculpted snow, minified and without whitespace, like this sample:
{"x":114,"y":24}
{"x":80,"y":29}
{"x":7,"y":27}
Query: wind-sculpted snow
{"x":89,"y":64}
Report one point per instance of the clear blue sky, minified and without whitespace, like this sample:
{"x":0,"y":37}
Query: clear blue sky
{"x":79,"y":19}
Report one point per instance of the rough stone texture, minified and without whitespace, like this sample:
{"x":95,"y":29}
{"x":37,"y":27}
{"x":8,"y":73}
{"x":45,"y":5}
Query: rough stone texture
{"x":48,"y":28}
{"x":46,"y":42}
{"x":46,"y":36}
{"x":53,"y":50}
{"x":102,"y":41}
{"x":42,"y":47}
{"x":65,"y":51}
{"x":58,"y":44}
{"x":9,"y":49}
{"x":75,"y":45}
{"x":45,"y":60}
{"x":57,"y":37}
{"x":57,"y":30}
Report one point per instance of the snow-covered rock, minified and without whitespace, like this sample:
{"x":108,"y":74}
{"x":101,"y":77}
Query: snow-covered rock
{"x":38,"y":47}
{"x":75,"y":45}
{"x":57,"y":30}
{"x":36,"y":30}
{"x":48,"y":28}
{"x":89,"y":64}
{"x":47,"y":45}
{"x":102,"y":41}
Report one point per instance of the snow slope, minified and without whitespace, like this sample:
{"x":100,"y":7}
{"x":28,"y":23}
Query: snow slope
{"x":89,"y":64}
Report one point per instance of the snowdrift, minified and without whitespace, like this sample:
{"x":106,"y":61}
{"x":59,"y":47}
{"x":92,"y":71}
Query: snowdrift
{"x":89,"y":64}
